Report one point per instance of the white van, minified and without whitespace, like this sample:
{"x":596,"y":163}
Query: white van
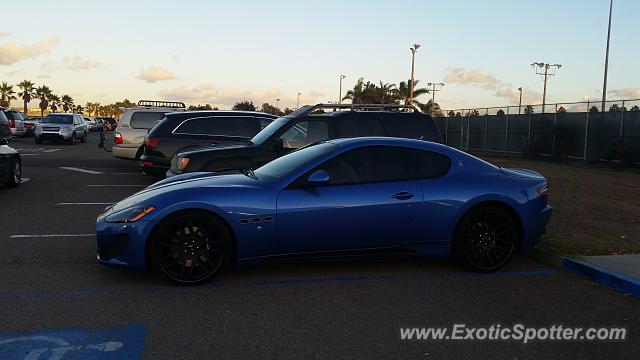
{"x":136,"y":122}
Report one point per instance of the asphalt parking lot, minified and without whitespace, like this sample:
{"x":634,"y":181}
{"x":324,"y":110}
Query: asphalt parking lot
{"x":52,"y":288}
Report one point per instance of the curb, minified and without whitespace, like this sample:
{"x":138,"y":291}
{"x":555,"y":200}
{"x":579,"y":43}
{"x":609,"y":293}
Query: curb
{"x":603,"y":276}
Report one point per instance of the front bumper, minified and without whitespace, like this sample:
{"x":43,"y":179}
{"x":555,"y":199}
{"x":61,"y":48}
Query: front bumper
{"x":53,"y":135}
{"x":122,"y":245}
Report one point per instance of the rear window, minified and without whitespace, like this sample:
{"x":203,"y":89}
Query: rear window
{"x":219,"y":125}
{"x":14,"y":115}
{"x":145,"y":119}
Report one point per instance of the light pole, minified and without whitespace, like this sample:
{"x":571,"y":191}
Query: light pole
{"x":413,"y":50}
{"x":542,"y":69}
{"x":340,"y":91}
{"x":298,"y":101}
{"x":434,"y":88}
{"x":606,"y":60}
{"x":520,"y":101}
{"x":278,"y":103}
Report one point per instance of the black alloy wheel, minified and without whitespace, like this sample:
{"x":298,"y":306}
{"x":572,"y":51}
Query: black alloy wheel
{"x":191,"y":246}
{"x":486,"y":239}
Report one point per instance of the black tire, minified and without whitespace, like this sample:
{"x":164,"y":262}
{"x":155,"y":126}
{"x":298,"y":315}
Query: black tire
{"x":38,"y":140}
{"x":15,"y":173}
{"x":72,"y":141}
{"x":486,"y":238}
{"x":190,"y":247}
{"x":83,"y":139}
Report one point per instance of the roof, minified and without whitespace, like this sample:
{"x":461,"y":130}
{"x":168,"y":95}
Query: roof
{"x":220,"y":113}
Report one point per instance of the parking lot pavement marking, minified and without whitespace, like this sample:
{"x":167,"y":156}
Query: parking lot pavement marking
{"x":117,"y":185}
{"x":84,"y":203}
{"x":119,"y":342}
{"x":21,"y":154}
{"x":22,"y":151}
{"x":24,"y":180}
{"x":49,"y":235}
{"x":81,"y":170}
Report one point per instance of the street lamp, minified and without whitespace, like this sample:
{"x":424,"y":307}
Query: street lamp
{"x":278,"y":103}
{"x":433,"y":94}
{"x":606,"y":59}
{"x":520,"y":102}
{"x":298,"y":101}
{"x":413,"y":50}
{"x":542,"y":69}
{"x":340,"y":91}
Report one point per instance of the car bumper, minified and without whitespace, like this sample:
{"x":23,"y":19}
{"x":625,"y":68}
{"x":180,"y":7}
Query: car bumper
{"x":536,"y":227}
{"x":125,"y":152}
{"x":152,"y":165}
{"x":53,"y":136}
{"x":122,"y":245}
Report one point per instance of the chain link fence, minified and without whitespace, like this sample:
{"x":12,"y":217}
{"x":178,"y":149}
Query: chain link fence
{"x":576,"y":130}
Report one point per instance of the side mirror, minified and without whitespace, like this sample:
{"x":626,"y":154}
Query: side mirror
{"x":319,"y":177}
{"x":4,"y":141}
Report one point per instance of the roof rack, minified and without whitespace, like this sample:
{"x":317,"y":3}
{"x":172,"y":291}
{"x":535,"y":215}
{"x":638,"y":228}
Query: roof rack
{"x":305,"y":110}
{"x":156,"y":103}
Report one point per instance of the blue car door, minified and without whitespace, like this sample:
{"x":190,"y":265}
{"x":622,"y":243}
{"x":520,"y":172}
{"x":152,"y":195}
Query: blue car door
{"x":369,"y":202}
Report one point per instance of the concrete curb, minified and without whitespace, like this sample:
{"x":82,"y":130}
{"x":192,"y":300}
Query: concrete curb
{"x":603,"y":276}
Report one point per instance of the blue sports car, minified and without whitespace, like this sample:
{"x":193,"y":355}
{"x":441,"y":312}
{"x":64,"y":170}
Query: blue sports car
{"x":335,"y":197}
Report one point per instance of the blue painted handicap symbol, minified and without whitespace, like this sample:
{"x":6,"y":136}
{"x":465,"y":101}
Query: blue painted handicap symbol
{"x":121,"y":342}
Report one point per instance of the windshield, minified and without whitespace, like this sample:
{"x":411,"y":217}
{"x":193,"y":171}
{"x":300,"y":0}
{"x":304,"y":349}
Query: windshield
{"x":265,"y":133}
{"x":58,"y":119}
{"x":283,"y":166}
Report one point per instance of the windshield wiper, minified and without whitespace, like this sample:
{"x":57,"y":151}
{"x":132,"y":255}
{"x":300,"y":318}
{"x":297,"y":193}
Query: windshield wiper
{"x":250,"y":173}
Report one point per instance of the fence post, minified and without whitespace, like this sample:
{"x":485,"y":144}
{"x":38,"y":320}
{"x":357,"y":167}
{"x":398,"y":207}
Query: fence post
{"x":506,"y":133}
{"x":586,"y":132}
{"x":461,"y":128}
{"x":446,"y":130}
{"x":553,"y":138}
{"x":486,"y":122}
{"x":468,"y":127}
{"x":622,"y":124}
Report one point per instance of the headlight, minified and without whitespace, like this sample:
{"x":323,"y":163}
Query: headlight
{"x":132,"y":214}
{"x":182,"y":163}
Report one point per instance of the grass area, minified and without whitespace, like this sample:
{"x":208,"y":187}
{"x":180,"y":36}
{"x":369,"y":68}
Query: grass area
{"x":596,"y":208}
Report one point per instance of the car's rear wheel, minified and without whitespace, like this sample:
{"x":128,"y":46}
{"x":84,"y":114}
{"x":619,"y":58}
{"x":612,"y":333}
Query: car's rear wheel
{"x":486,"y":238}
{"x":15,"y":174}
{"x":191,"y":246}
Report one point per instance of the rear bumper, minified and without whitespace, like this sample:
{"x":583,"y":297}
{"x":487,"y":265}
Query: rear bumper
{"x":152,"y":165}
{"x":125,"y":152}
{"x":535,"y":227}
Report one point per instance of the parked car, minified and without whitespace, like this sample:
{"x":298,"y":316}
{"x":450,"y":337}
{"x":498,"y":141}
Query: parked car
{"x":5,"y":129}
{"x":136,"y":122}
{"x":306,"y":126}
{"x":109,"y":124}
{"x":31,"y":123}
{"x":92,"y":125}
{"x":340,"y":196}
{"x":181,"y":131}
{"x":10,"y":164}
{"x":16,"y":122}
{"x":62,"y":126}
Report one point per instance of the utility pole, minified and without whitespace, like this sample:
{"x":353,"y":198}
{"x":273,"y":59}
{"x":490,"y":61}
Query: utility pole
{"x":278,"y":103}
{"x":606,"y":60}
{"x":413,"y":50}
{"x":340,"y":91}
{"x":298,"y":101}
{"x":520,"y":102}
{"x":542,"y":69}
{"x":434,"y":87}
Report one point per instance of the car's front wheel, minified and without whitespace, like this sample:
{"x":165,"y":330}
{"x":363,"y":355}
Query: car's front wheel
{"x":83,"y":139}
{"x":486,"y":238}
{"x":190,"y":247}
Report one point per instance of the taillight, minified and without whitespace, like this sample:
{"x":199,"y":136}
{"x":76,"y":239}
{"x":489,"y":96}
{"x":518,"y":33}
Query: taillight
{"x":151,"y":143}
{"x":118,"y":138}
{"x":543,"y":191}
{"x":12,"y":123}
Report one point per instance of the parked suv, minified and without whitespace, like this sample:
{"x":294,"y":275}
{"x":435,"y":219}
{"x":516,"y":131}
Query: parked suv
{"x":62,"y":126}
{"x":16,"y":122}
{"x":5,"y":129}
{"x":305,"y":126}
{"x":181,"y":131}
{"x":136,"y":122}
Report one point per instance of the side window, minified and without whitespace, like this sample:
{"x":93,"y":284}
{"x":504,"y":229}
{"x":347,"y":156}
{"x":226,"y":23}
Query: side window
{"x":384,"y":163}
{"x":218,"y":125}
{"x":305,"y":133}
{"x":145,"y":119}
{"x":410,"y":127}
{"x":356,"y":126}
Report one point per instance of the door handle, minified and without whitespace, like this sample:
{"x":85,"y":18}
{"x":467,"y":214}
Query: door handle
{"x":403,"y":195}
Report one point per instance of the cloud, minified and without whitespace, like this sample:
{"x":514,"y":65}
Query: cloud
{"x":12,"y":73}
{"x":207,"y":93}
{"x":486,"y":81}
{"x":11,"y":53}
{"x":317,"y":93}
{"x":626,"y":93}
{"x":73,"y":63}
{"x":152,"y":74}
{"x":4,"y":34}
{"x":44,"y":76}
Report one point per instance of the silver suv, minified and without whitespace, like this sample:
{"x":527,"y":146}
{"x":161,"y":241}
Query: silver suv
{"x":62,"y":126}
{"x":136,"y":122}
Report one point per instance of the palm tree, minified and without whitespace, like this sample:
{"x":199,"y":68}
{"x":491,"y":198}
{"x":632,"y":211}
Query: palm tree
{"x":27,"y":93}
{"x":54,"y":100}
{"x":431,"y":108}
{"x":90,"y":107}
{"x":404,"y":90}
{"x":362,"y":93}
{"x":386,"y":94}
{"x":43,"y":92}
{"x":7,"y":94}
{"x":67,"y":102}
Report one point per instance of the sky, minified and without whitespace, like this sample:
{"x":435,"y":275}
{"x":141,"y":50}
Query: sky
{"x":221,"y":52}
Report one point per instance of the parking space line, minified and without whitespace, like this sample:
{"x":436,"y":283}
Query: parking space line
{"x":21,"y":154}
{"x":81,"y":170}
{"x":116,"y":185}
{"x":49,"y":235}
{"x":85,"y":203}
{"x":24,"y":180}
